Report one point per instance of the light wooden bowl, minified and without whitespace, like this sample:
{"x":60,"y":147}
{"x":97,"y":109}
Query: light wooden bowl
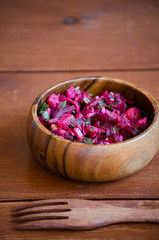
{"x":95,"y":163}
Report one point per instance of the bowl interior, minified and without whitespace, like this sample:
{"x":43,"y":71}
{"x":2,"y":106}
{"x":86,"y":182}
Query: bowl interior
{"x":97,"y":86}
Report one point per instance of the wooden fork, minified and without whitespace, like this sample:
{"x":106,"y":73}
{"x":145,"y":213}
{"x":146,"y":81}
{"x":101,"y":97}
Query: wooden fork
{"x":76,"y":214}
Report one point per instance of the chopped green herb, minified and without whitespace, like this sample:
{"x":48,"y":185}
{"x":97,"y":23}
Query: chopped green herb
{"x":106,"y":139}
{"x":43,"y":108}
{"x":114,"y":103}
{"x":72,"y":126}
{"x":87,"y":140}
{"x":92,"y":129}
{"x":114,"y":130}
{"x":77,"y":88}
{"x":86,"y":100}
{"x":64,"y":105}
{"x":111,"y":107}
{"x":88,"y":121}
{"x":74,"y":112}
{"x":46,"y":115}
{"x":72,"y":121}
{"x":118,"y":129}
{"x":93,"y":98}
{"x":101,"y":103}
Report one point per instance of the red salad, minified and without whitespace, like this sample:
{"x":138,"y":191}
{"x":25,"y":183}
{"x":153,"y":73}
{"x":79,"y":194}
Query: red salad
{"x":80,"y":117}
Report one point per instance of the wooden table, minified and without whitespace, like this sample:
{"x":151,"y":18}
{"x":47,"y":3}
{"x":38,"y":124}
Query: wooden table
{"x":43,"y":43}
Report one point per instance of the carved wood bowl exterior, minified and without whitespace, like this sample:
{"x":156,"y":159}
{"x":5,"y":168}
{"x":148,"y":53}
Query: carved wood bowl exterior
{"x":95,"y":163}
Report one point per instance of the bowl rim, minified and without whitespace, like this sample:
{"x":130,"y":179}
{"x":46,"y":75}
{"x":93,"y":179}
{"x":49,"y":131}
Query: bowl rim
{"x":34,"y":110}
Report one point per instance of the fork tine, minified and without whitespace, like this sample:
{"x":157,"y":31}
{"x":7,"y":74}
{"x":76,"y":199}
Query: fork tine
{"x":43,"y":224}
{"x":40,"y":216}
{"x":37,"y":203}
{"x":41,"y":209}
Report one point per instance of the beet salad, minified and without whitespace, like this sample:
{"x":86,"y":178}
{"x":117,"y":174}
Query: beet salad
{"x":80,"y":117}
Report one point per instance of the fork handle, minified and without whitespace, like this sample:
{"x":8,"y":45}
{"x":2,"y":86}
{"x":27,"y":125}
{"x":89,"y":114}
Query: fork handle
{"x":139,"y":215}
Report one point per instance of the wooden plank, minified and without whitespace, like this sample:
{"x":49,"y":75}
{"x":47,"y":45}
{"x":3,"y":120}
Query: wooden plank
{"x":21,"y":177}
{"x":126,"y":231}
{"x":103,"y":35}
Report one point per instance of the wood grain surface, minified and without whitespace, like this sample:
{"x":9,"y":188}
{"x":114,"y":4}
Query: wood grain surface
{"x":43,"y":43}
{"x":78,"y":35}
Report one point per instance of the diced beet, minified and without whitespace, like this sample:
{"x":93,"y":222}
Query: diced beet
{"x":120,"y":138}
{"x":61,"y":132}
{"x":129,"y":132}
{"x":141,"y":124}
{"x":69,"y":109}
{"x":62,"y":98}
{"x":85,"y":98}
{"x":133,"y":114}
{"x":75,"y":103}
{"x":108,"y":131}
{"x":78,"y":95}
{"x":78,"y":133}
{"x":103,"y":110}
{"x":79,"y":115}
{"x":97,"y":124}
{"x":52,"y":120}
{"x":92,"y":103}
{"x":91,"y":130}
{"x":65,"y":120}
{"x":70,"y":132}
{"x":91,"y":114}
{"x":70,"y":92}
{"x":110,"y":116}
{"x":53,"y":100}
{"x":58,"y":112}
{"x":110,"y":98}
{"x":104,"y":141}
{"x":105,"y":94}
{"x":123,"y":121}
{"x":69,"y":136}
{"x":79,"y":123}
{"x":43,"y":121}
{"x":83,"y":128}
{"x":49,"y":110}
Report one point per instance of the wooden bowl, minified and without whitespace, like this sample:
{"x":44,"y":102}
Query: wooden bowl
{"x":95,"y":163}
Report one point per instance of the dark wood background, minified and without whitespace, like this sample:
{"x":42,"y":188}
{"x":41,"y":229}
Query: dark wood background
{"x":43,"y":43}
